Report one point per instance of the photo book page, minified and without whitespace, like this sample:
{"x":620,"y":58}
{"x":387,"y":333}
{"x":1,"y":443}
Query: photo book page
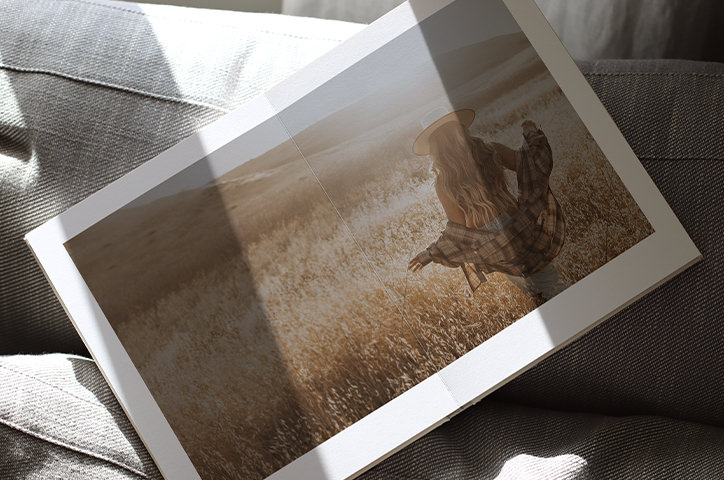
{"x":347,"y":261}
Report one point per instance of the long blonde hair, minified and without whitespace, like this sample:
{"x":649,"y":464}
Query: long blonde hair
{"x":472,"y":176}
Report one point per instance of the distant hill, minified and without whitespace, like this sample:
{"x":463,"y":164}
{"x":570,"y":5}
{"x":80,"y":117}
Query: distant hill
{"x":427,"y":82}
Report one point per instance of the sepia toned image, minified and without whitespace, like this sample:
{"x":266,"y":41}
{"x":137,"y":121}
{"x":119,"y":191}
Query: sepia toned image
{"x":369,"y":235}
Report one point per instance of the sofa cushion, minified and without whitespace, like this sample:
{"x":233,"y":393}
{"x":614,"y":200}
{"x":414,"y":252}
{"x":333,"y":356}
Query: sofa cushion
{"x":59,"y":419}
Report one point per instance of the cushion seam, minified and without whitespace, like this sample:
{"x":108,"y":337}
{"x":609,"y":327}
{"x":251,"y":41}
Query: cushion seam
{"x":113,"y":86}
{"x":71,"y":447}
{"x":95,"y":404}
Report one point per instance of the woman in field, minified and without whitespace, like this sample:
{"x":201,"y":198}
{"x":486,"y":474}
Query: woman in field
{"x":488,"y":229}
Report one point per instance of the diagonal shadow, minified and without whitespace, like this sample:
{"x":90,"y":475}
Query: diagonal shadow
{"x":171,"y":273}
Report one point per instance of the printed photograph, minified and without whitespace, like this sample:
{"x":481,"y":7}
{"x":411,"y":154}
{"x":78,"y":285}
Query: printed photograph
{"x":326,"y":261}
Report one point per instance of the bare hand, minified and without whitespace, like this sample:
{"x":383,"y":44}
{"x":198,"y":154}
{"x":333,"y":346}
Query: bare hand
{"x":528,"y":125}
{"x":415,"y":265}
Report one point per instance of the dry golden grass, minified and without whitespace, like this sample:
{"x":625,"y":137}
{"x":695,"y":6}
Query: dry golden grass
{"x":262,"y":328}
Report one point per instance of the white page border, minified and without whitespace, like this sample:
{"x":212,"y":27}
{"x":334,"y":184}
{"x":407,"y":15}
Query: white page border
{"x":431,"y":402}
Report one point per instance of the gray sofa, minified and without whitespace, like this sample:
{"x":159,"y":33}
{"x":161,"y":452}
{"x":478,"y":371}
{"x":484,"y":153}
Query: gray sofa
{"x":90,"y":89}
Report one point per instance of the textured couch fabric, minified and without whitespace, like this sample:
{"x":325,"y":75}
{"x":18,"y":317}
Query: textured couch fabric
{"x":590,"y":29}
{"x":90,"y":90}
{"x":684,"y":29}
{"x":58,"y":419}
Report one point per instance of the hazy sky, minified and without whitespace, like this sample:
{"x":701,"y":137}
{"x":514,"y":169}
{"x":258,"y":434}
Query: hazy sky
{"x":462,"y":23}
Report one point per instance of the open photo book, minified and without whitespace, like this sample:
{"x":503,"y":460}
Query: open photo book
{"x":337,"y":267}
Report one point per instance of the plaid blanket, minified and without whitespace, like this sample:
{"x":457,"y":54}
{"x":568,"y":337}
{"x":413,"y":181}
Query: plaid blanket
{"x":531,"y":239}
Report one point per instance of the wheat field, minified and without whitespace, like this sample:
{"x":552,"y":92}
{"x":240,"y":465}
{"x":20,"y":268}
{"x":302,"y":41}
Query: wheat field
{"x":265,"y":318}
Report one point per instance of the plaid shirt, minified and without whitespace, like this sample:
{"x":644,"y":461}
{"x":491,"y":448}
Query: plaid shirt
{"x":531,"y":239}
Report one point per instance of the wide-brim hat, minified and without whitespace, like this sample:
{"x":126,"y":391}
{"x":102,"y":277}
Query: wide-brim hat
{"x":434,"y":120}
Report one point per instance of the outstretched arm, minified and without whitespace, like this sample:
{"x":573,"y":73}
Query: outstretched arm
{"x":445,"y":251}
